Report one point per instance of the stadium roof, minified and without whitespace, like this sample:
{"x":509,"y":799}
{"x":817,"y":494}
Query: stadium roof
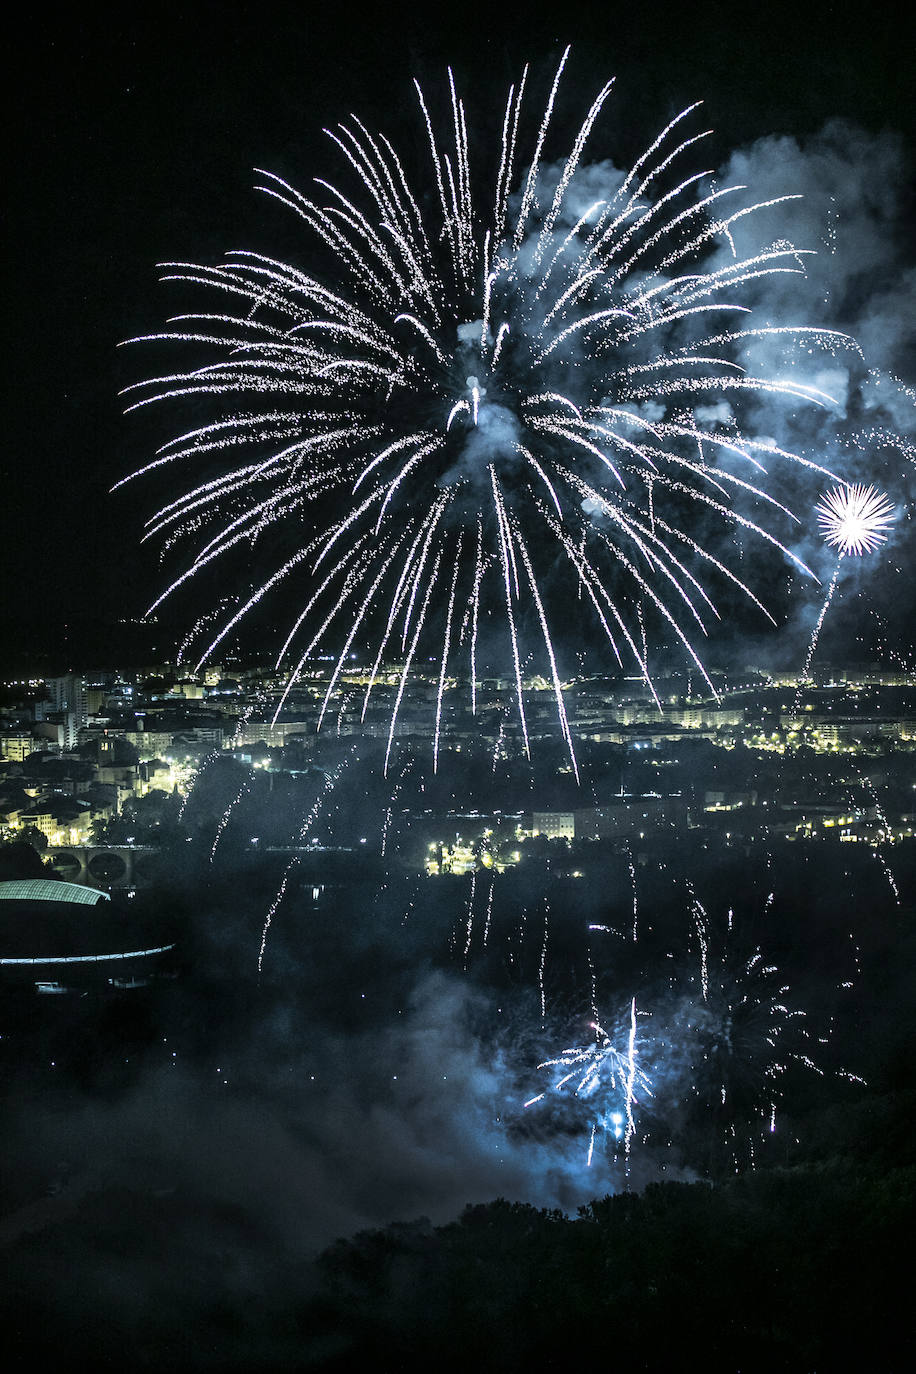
{"x":47,"y":890}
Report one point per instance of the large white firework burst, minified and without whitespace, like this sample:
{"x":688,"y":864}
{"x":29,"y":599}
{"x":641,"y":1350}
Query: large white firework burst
{"x":855,"y":518}
{"x":481,"y":398}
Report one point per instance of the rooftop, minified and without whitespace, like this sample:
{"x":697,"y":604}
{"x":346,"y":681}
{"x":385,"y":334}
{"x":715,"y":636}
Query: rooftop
{"x":49,"y":890}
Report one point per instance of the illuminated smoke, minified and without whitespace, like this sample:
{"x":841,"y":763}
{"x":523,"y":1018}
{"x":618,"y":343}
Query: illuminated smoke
{"x":491,"y":402}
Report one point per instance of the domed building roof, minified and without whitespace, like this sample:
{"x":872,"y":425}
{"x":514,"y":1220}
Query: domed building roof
{"x":59,"y":935}
{"x":49,"y":890}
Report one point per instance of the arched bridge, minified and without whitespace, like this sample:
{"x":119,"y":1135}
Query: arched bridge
{"x":103,"y":866}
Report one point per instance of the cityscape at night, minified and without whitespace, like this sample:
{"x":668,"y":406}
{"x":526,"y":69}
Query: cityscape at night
{"x":458,"y":696}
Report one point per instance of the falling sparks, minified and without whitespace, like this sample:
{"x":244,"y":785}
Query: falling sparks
{"x":481,"y":400}
{"x":715,"y":1037}
{"x":330,"y":782}
{"x":698,"y":913}
{"x":227,"y":814}
{"x":631,"y":868}
{"x":469,"y":927}
{"x":604,"y":1076}
{"x":542,"y":963}
{"x":273,"y":908}
{"x":489,"y":916}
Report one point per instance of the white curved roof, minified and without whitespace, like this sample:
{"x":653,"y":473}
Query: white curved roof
{"x":47,"y":890}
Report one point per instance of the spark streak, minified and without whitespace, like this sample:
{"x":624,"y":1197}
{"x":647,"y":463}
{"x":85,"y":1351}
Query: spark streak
{"x":458,"y":364}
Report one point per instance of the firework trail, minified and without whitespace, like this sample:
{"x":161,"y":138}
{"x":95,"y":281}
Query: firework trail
{"x":542,"y":962}
{"x":739,"y":1037}
{"x":207,"y":763}
{"x":227,"y":814}
{"x":489,"y":915}
{"x":499,"y":745}
{"x":887,"y":836}
{"x":853,"y":519}
{"x":208,"y":618}
{"x":330,"y":782}
{"x":816,"y":633}
{"x":406,"y":768}
{"x":632,"y":872}
{"x":481,"y":394}
{"x":273,"y":908}
{"x":470,"y":920}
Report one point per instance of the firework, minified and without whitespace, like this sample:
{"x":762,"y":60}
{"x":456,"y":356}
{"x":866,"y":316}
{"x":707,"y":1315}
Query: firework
{"x":703,"y":1070}
{"x":854,"y":519}
{"x":308,"y":821}
{"x":484,"y":404}
{"x":605,"y":1077}
{"x":226,"y":817}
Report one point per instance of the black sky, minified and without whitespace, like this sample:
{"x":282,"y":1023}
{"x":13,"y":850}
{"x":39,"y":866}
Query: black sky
{"x":133,"y":135}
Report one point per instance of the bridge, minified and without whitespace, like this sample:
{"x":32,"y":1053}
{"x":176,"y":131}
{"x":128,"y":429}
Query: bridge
{"x":103,"y":866}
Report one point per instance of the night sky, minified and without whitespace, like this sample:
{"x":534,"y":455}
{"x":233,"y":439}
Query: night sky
{"x":376,"y":1072}
{"x":133,"y":140}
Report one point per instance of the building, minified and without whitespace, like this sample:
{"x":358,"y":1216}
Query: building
{"x":60,"y":937}
{"x":69,"y":705}
{"x":60,"y":818}
{"x":556,"y":825}
{"x":16,"y":745}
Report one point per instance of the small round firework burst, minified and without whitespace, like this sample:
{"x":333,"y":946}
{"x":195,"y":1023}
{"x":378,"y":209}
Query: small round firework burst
{"x":854,"y":519}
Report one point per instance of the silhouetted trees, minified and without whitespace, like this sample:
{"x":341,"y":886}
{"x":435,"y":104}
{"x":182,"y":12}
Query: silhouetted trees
{"x":795,"y":1269}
